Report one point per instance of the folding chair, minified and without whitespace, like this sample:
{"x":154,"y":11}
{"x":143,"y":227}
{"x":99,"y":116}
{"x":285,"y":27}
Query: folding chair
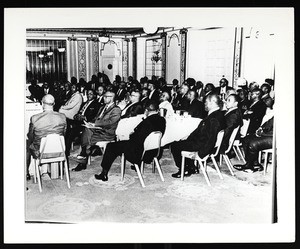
{"x":237,"y":143}
{"x":230,"y":145}
{"x":52,"y":149}
{"x":202,"y":161}
{"x":152,"y":141}
{"x":102,"y":145}
{"x":267,"y":152}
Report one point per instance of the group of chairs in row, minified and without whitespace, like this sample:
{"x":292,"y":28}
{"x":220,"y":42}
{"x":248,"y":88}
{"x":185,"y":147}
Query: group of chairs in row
{"x":52,"y":149}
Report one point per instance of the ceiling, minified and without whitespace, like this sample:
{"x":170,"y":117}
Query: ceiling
{"x":132,"y":31}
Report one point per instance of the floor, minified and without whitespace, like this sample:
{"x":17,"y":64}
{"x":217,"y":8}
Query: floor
{"x":243,"y":198}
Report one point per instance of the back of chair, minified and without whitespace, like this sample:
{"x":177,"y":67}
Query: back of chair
{"x":232,"y":138}
{"x":245,"y":127}
{"x":152,"y":141}
{"x":52,"y":146}
{"x":218,"y":142}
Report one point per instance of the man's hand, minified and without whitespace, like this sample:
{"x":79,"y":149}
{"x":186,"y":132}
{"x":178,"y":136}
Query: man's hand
{"x":258,"y":132}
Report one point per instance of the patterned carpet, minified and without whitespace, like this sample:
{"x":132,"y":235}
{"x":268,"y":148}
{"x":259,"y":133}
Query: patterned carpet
{"x":233,"y":199}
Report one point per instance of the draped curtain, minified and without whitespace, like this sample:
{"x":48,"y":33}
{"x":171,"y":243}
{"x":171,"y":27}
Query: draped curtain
{"x":42,"y":65}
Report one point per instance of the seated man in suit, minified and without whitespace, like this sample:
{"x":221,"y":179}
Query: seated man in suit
{"x":133,"y":148}
{"x":233,"y":119}
{"x":121,"y":91}
{"x":165,"y":104}
{"x":203,"y":138}
{"x":102,"y":129}
{"x":87,"y":112}
{"x":266,"y":89}
{"x":100,"y":94}
{"x":134,"y":106}
{"x":181,"y":102}
{"x":42,"y":124}
{"x":145,"y":97}
{"x":252,"y":144}
{"x":223,"y":88}
{"x":195,"y":107}
{"x":154,"y":92}
{"x":256,"y":111}
{"x":36,"y":92}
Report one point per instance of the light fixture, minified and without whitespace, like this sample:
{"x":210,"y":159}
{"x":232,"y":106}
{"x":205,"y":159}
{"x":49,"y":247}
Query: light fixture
{"x":150,"y":30}
{"x":103,"y":36}
{"x":41,"y":56}
{"x":156,"y":57}
{"x":61,"y":50}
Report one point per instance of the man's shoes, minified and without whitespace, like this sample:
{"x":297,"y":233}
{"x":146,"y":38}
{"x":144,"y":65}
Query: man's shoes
{"x":245,"y":167}
{"x":178,"y":174}
{"x":258,"y":167}
{"x":79,"y":167}
{"x":79,"y":157}
{"x":95,"y":151}
{"x":102,"y":177}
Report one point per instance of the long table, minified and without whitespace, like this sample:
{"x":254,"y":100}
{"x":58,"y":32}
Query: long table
{"x":177,"y":128}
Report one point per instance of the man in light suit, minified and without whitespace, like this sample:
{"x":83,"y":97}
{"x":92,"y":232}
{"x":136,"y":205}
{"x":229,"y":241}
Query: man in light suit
{"x":102,"y":129}
{"x":133,"y":148}
{"x":223,"y":88}
{"x":203,"y":138}
{"x":42,"y":124}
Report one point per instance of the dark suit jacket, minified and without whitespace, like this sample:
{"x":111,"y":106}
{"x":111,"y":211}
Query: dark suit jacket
{"x":135,"y":149}
{"x":181,"y":102}
{"x":244,"y":105}
{"x":91,"y":111}
{"x":133,"y":110}
{"x":233,"y":119}
{"x":36,"y":92}
{"x":144,"y":102}
{"x":66,"y":96}
{"x":259,"y":110}
{"x":41,"y":125}
{"x":108,"y":123}
{"x":58,"y":96}
{"x":121,"y":95}
{"x":196,"y":109}
{"x":218,"y":89}
{"x":155,"y":96}
{"x":204,"y":136}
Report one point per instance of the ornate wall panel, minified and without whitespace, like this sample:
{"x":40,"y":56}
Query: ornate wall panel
{"x":163,"y":57}
{"x":237,"y":55}
{"x":95,"y":54}
{"x":125,"y":59}
{"x":81,"y":59}
{"x":183,"y":33}
{"x":134,"y":57}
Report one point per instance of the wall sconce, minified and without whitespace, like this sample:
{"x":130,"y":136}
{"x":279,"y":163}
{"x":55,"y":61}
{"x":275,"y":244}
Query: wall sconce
{"x":61,"y":50}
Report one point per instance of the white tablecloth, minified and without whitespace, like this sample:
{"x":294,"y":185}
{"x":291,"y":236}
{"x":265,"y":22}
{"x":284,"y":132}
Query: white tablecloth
{"x":177,"y":128}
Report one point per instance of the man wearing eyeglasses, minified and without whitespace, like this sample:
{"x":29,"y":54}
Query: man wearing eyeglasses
{"x":103,"y":128}
{"x":134,"y":107}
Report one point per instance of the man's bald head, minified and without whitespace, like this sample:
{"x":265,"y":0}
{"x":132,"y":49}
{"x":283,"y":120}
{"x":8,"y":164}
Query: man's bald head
{"x":48,"y":101}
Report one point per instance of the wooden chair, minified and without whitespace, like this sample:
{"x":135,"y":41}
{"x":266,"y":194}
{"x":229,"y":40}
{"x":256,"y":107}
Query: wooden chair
{"x":152,"y":141}
{"x":52,"y":149}
{"x":237,"y":143}
{"x":230,"y":145}
{"x":202,"y":161}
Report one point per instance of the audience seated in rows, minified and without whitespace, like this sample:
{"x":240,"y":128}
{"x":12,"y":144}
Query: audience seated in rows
{"x":253,"y":143}
{"x":203,"y":138}
{"x":133,"y":148}
{"x":103,"y":129}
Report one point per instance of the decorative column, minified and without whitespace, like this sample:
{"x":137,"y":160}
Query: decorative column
{"x":72,"y":57}
{"x":125,"y":59}
{"x":81,"y":49}
{"x":134,"y":58}
{"x":163,"y":55}
{"x":183,"y":33}
{"x":237,"y":56}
